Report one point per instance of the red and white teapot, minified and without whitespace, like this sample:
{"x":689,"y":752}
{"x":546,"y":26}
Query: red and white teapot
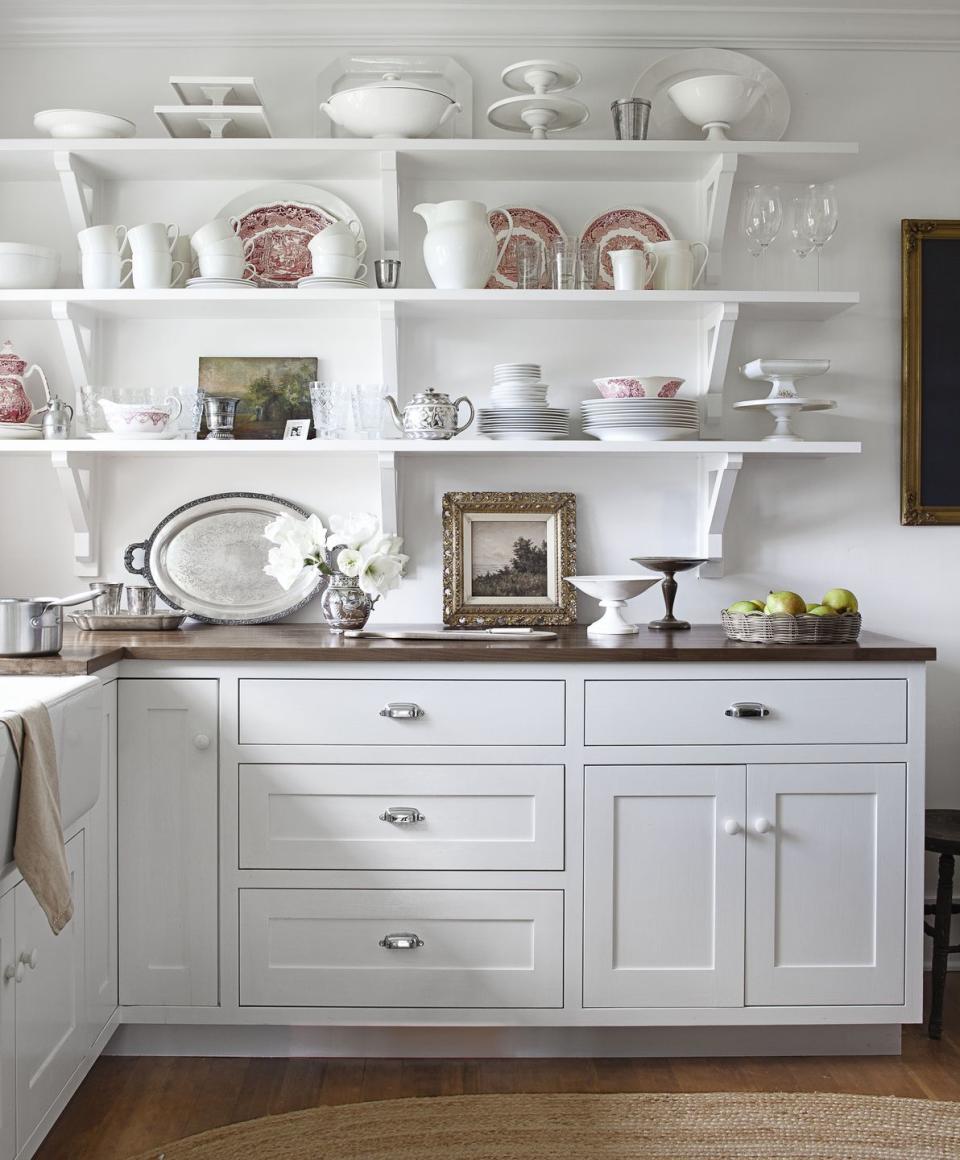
{"x":15,"y":405}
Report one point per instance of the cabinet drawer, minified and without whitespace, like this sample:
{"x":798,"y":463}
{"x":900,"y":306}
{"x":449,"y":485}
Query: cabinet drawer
{"x":823,"y":712}
{"x":480,"y":948}
{"x":468,"y":817}
{"x":339,"y":712}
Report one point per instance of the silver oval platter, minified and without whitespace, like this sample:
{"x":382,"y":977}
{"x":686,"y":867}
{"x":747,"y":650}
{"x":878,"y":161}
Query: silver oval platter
{"x":206,"y":559}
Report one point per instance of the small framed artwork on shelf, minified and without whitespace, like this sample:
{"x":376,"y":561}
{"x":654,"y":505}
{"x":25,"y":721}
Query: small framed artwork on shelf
{"x":269,"y":391}
{"x":505,"y":554}
{"x":297,"y":429}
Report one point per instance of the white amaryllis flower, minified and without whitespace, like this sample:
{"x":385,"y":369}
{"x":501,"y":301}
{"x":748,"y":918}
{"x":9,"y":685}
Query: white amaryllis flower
{"x":307,"y":537}
{"x":383,"y":545}
{"x":350,"y":561}
{"x":352,"y":530}
{"x":285,"y":565}
{"x":380,"y":574}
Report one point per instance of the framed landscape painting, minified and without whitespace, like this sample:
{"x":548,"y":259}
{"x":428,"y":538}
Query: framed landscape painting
{"x":505,"y":555}
{"x":270,"y":391}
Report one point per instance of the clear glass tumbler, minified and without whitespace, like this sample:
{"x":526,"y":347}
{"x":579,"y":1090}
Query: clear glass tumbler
{"x":528,"y":254}
{"x":367,"y":401}
{"x":564,"y":260}
{"x":331,"y":403}
{"x":588,"y":265}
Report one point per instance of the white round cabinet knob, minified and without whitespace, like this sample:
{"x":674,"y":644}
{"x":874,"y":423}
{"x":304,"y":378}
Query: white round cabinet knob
{"x":30,"y":958}
{"x":201,"y":741}
{"x":763,"y":825}
{"x":731,"y":826}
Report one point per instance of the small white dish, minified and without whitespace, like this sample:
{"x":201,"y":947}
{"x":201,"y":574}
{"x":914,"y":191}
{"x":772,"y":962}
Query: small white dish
{"x":612,"y":592}
{"x":82,"y":123}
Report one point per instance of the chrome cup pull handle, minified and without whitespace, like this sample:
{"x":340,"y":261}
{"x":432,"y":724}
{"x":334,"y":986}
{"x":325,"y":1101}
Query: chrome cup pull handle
{"x":402,"y":815}
{"x":401,"y":711}
{"x":747,"y":709}
{"x":404,"y":941}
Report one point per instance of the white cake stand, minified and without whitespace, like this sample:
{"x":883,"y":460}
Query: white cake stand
{"x":784,"y":373}
{"x":783,"y":411}
{"x":537,"y":115}
{"x":613,"y":592}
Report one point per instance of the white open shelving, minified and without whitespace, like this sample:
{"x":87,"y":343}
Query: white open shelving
{"x":84,"y":318}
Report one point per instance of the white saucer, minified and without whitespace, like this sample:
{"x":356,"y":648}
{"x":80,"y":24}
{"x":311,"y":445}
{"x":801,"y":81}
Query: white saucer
{"x":319,"y":280}
{"x":19,"y":431}
{"x":220,"y":284}
{"x":107,"y":436}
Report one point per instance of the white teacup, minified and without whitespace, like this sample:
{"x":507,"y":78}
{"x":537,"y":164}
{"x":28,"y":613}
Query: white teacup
{"x":343,"y":244}
{"x":352,"y":227}
{"x":104,"y":271}
{"x":222,"y":265}
{"x":102,"y":239}
{"x":219,"y":230}
{"x":632,"y":269}
{"x":154,"y":270}
{"x":337,"y":266}
{"x":183,"y":254}
{"x":153,"y":237}
{"x":233,"y":246}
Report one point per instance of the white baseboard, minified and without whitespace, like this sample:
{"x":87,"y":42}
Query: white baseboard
{"x":501,"y":1043}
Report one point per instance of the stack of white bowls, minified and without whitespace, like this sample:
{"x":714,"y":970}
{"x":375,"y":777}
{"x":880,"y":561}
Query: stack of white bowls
{"x":221,"y":257}
{"x":151,"y":246}
{"x":641,"y":420}
{"x":519,"y":408}
{"x":336,"y":255}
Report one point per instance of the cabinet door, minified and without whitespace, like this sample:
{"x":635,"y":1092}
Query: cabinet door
{"x":100,"y":879}
{"x":663,"y":886}
{"x":50,"y":1018}
{"x":8,"y":1002}
{"x":825,"y":884}
{"x":167,"y":808}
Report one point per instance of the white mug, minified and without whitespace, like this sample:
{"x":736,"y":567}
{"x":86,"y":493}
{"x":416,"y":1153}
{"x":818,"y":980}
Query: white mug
{"x":154,"y":270}
{"x":219,"y":230}
{"x":153,"y":237}
{"x":337,"y":266}
{"x":102,"y":239}
{"x":182,"y":254}
{"x":336,"y":244}
{"x":675,"y":264}
{"x":222,"y":265}
{"x":104,"y":271}
{"x":632,"y":269}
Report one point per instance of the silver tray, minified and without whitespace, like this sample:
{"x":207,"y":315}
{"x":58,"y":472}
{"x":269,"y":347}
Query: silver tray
{"x":206,"y":559}
{"x":127,"y":621}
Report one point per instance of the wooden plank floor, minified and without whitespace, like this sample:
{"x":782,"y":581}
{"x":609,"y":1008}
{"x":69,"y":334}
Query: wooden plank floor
{"x":127,"y":1105}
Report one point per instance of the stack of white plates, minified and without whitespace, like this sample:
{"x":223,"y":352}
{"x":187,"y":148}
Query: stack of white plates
{"x":518,"y":385}
{"x":220,"y":284}
{"x":19,"y":431}
{"x":317,"y":280}
{"x":641,"y":420}
{"x":538,"y":422}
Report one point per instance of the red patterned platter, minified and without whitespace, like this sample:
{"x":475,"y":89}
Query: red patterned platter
{"x":278,"y":221}
{"x":622,"y":229}
{"x":527,"y":222}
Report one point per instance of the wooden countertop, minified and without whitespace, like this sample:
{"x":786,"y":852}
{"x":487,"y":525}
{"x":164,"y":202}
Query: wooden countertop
{"x":89,"y":652}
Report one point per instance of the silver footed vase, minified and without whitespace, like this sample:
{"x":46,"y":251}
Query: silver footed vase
{"x":344,"y":604}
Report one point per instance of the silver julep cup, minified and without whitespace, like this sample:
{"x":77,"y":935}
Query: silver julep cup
{"x":141,"y":599}
{"x":631,"y":118}
{"x":387,"y":273}
{"x":108,"y":602}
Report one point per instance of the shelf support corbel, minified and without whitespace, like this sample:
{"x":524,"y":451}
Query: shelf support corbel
{"x":715,"y":191}
{"x":389,"y":484}
{"x":717,"y":342}
{"x":719,"y":486}
{"x":77,"y":477}
{"x":77,"y":329}
{"x":81,"y":189}
{"x":389,"y":205}
{"x":389,"y":352}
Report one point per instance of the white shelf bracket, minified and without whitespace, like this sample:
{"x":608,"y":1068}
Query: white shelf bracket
{"x":77,"y":475}
{"x":719,"y":484}
{"x":389,"y":492}
{"x":389,"y":206}
{"x":715,"y":192}
{"x":717,"y":343}
{"x":77,"y":329}
{"x":389,"y":351}
{"x":81,"y":189}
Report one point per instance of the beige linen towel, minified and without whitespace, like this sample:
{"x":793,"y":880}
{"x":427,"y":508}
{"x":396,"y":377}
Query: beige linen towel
{"x":38,"y":847}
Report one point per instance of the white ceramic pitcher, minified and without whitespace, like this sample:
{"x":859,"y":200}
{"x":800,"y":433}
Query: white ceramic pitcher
{"x":460,"y":249}
{"x":676,"y":264}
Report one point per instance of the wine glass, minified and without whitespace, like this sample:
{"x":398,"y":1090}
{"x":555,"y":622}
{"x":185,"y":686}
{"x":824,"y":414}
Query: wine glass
{"x":822,"y":213}
{"x":800,"y":227}
{"x":762,"y":219}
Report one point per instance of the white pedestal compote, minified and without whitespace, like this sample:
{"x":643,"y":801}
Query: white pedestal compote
{"x":613,"y":592}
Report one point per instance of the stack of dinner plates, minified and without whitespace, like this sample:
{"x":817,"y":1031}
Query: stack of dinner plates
{"x":641,"y":420}
{"x":318,"y":281}
{"x":538,"y":422}
{"x":220,"y":284}
{"x":518,"y":385}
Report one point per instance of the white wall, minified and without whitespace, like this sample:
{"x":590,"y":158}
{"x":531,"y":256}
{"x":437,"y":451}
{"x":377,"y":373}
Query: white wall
{"x":803,"y":525}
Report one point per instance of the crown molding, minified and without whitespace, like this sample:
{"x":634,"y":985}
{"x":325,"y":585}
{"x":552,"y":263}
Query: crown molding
{"x":380,"y":24}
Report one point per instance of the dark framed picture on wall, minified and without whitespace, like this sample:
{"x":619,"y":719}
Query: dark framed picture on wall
{"x":505,"y":554}
{"x":930,"y":411}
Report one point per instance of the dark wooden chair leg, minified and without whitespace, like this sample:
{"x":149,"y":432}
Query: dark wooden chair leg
{"x":941,"y":944}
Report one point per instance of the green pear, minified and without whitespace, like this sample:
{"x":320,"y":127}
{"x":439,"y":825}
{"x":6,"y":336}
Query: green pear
{"x":747,"y":607}
{"x":821,"y":610}
{"x":785,"y":604}
{"x":841,"y":600}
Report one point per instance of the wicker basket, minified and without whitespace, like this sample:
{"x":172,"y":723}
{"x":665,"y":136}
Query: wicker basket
{"x":805,"y":629}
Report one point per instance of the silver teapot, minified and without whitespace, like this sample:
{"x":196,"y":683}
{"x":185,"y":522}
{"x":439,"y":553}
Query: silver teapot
{"x":429,"y":415}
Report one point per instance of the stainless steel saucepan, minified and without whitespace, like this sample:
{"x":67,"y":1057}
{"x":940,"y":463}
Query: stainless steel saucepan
{"x":33,"y":627}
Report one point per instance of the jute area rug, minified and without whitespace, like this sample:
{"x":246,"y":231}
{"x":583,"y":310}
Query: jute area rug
{"x":713,"y":1126}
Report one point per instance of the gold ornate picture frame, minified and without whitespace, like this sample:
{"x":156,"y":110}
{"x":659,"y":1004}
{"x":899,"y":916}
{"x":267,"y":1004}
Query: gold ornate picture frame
{"x":505,"y":554}
{"x":930,"y":401}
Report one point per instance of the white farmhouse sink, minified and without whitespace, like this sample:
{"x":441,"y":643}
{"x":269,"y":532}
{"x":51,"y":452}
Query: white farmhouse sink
{"x":75,"y":705}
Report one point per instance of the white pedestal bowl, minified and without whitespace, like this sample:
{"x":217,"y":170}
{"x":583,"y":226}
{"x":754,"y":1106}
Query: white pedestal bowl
{"x":613,"y":592}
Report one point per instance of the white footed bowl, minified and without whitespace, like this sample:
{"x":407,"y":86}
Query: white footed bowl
{"x":715,"y":103}
{"x":613,"y":592}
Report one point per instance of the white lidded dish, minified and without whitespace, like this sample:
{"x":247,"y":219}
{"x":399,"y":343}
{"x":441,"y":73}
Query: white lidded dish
{"x":392,"y":107}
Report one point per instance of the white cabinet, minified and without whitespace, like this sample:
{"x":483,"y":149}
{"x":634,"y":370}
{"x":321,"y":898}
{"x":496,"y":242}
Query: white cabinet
{"x":51,"y":1031}
{"x":167,"y":817}
{"x":100,"y":880}
{"x":663,"y":886}
{"x":8,"y":1034}
{"x":825,"y":884}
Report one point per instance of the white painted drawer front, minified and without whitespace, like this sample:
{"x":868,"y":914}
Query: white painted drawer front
{"x":481,"y":948}
{"x":467,"y":817}
{"x":339,"y":712}
{"x":801,"y":712}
